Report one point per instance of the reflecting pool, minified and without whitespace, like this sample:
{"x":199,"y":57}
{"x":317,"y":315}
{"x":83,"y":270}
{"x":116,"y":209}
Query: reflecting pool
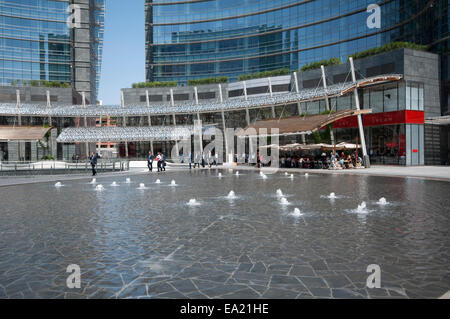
{"x":143,"y":239}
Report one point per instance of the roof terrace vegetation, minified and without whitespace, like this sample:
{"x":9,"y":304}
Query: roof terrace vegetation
{"x":364,"y":54}
{"x":318,"y":64}
{"x":212,"y":80}
{"x":156,"y":84}
{"x":264,"y":74}
{"x":389,"y":47}
{"x":41,"y":83}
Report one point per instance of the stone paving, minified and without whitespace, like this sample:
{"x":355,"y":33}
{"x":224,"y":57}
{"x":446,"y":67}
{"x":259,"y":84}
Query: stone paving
{"x":148,"y":243}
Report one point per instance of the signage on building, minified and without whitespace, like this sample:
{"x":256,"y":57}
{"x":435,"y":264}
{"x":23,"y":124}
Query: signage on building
{"x":379,"y":119}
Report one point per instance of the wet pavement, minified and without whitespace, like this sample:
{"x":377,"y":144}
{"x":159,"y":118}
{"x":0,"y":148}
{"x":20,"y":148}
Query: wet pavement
{"x":149,"y":243}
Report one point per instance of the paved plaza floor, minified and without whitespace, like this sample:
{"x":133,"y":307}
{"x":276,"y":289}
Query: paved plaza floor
{"x":147,"y":241}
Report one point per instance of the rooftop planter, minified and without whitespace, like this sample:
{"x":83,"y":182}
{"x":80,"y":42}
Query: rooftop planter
{"x":316,"y":65}
{"x":264,"y":74}
{"x":156,"y":84}
{"x":42,"y":83}
{"x":221,"y":79}
{"x":389,"y":47}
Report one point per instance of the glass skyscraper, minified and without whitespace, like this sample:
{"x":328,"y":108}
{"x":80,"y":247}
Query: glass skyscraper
{"x":210,"y":38}
{"x":36,"y":43}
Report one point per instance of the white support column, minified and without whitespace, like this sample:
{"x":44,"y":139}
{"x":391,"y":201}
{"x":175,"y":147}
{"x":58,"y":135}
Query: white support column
{"x":270,"y":87}
{"x":147,"y":99}
{"x":247,"y":116}
{"x":299,"y":106}
{"x":19,"y":121}
{"x":172,"y":102}
{"x":122,"y":98}
{"x":245,"y":90}
{"x":86,"y":144}
{"x":18,"y":104}
{"x":225,"y":136}
{"x":196,"y":95}
{"x":327,"y":101}
{"x":271,"y":95}
{"x":175,"y":125}
{"x":366,"y":158}
{"x":220,"y":93}
{"x":49,"y":106}
{"x":224,"y":126}
{"x":296,"y":83}
{"x":201,"y":132}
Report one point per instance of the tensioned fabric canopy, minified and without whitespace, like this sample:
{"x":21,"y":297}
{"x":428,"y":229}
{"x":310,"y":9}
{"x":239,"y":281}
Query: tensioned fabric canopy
{"x":297,"y":125}
{"x":128,"y":134}
{"x":440,"y":120}
{"x":23,"y":133}
{"x":309,"y":147}
{"x":189,"y":107}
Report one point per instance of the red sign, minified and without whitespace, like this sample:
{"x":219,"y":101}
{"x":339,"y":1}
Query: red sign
{"x":380,"y":119}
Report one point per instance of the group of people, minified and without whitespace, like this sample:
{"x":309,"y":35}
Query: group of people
{"x":324,"y":161}
{"x":160,"y":161}
{"x":345,"y":161}
{"x":203,"y":159}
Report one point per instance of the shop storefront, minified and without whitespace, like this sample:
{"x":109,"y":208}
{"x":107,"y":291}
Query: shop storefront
{"x":393,"y":138}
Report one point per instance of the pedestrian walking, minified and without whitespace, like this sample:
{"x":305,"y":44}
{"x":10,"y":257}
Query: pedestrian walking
{"x":93,"y":159}
{"x":150,"y":159}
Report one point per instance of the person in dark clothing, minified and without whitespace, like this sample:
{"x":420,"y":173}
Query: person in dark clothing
{"x":159,"y":161}
{"x":150,"y":159}
{"x":93,"y":159}
{"x":203,"y":160}
{"x":191,"y":160}
{"x":197,"y":160}
{"x":163,"y":164}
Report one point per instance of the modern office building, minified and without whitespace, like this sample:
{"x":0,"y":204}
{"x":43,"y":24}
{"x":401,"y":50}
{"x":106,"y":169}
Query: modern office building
{"x":192,"y":39}
{"x":50,"y":52}
{"x":197,"y":39}
{"x":400,"y":89}
{"x":396,"y":133}
{"x":52,"y":40}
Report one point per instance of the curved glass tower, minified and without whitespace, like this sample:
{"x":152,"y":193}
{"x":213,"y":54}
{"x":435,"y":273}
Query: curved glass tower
{"x":207,"y":38}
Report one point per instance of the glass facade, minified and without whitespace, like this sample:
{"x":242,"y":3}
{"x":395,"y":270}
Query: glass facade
{"x":98,"y":35}
{"x":36,"y":41}
{"x":195,"y":39}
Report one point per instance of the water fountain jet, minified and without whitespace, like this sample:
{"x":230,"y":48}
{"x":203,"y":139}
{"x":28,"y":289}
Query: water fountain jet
{"x":297,"y":213}
{"x":362,"y":209}
{"x":232,"y":195}
{"x":332,"y":196}
{"x":193,"y":202}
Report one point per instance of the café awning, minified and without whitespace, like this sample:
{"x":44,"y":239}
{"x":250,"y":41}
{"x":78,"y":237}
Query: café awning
{"x":296,"y":125}
{"x":23,"y":133}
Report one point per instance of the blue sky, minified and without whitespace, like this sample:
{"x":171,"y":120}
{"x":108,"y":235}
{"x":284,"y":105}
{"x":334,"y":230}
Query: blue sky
{"x":124,"y":48}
